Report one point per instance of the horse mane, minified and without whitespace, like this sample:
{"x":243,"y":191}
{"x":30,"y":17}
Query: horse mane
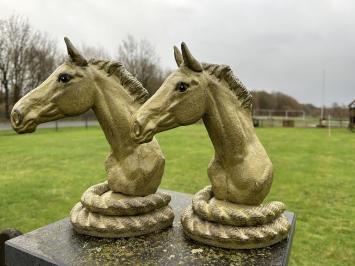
{"x":224,"y":72}
{"x":129,"y":82}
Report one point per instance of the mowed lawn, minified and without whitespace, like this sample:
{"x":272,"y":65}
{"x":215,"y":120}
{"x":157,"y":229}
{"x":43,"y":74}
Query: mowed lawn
{"x":43,"y":174}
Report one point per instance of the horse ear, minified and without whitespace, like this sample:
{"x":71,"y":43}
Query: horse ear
{"x":189,"y":60}
{"x":75,"y":56}
{"x":178,"y":56}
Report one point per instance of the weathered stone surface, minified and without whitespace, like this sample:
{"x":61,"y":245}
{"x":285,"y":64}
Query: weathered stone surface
{"x":134,"y":171}
{"x":100,"y":199}
{"x":234,"y":237}
{"x":207,"y":207}
{"x":114,"y":95}
{"x":240,"y":171}
{"x":104,"y":213}
{"x":58,"y":244}
{"x":101,"y":225}
{"x":229,"y":225}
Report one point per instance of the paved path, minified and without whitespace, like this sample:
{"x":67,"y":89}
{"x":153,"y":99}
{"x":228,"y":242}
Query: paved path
{"x":61,"y":123}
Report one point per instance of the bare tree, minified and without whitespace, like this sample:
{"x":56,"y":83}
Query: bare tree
{"x":18,"y":33}
{"x":4,"y":66}
{"x":140,"y":58}
{"x":42,"y":58}
{"x":94,"y":52}
{"x":26,"y":59}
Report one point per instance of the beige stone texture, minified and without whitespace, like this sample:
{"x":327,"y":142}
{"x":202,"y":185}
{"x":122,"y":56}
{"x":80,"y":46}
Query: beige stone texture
{"x":100,"y":199}
{"x":134,"y":171}
{"x":209,"y":208}
{"x":232,"y":237}
{"x":101,"y":225}
{"x":240,"y":172}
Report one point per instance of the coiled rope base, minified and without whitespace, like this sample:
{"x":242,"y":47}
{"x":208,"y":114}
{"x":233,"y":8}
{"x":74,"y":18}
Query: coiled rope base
{"x":234,"y":226}
{"x":103,"y":213}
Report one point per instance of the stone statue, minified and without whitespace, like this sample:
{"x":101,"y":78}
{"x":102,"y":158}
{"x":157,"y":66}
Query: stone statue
{"x":229,"y":213}
{"x":127,"y":204}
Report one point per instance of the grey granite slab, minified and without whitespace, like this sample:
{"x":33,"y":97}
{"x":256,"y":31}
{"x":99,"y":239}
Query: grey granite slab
{"x":58,"y":244}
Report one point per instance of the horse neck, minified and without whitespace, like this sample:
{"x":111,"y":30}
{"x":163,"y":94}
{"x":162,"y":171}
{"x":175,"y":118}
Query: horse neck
{"x":113,"y":108}
{"x":228,"y":124}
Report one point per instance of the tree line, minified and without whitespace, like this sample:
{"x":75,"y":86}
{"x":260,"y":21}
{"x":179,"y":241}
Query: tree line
{"x":28,"y":57}
{"x":281,"y":102}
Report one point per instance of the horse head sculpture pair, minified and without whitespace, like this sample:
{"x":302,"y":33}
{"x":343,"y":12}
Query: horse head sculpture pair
{"x":228,"y":213}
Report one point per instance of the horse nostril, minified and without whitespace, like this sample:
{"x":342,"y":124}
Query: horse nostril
{"x":16,"y":117}
{"x":136,"y":129}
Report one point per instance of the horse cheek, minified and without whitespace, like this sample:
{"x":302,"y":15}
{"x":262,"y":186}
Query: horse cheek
{"x":73,"y":103}
{"x":190,"y":111}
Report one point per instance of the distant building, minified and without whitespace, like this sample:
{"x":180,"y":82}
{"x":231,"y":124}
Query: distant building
{"x":352,"y":115}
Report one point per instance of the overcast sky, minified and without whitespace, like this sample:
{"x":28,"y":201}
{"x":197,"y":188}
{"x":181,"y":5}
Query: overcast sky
{"x":278,"y":45}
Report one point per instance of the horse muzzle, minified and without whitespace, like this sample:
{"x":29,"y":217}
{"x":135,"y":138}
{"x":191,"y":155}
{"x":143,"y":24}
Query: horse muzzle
{"x":20,"y":124}
{"x":141,"y":134}
{"x":16,"y":117}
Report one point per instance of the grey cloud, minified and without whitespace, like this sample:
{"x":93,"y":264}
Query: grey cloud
{"x":281,"y":45}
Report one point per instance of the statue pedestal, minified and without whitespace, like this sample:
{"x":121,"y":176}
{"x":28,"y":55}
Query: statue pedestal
{"x":58,"y":244}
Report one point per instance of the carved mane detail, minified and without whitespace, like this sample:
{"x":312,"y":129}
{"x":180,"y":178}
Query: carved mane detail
{"x":224,"y":72}
{"x":129,"y":82}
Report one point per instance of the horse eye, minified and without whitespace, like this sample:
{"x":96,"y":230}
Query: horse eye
{"x":64,"y":78}
{"x":181,"y":86}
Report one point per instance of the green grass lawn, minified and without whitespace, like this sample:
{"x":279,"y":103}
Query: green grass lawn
{"x":43,"y":174}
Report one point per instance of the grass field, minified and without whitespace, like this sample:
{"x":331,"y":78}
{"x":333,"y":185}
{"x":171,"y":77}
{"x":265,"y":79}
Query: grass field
{"x":43,"y":174}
